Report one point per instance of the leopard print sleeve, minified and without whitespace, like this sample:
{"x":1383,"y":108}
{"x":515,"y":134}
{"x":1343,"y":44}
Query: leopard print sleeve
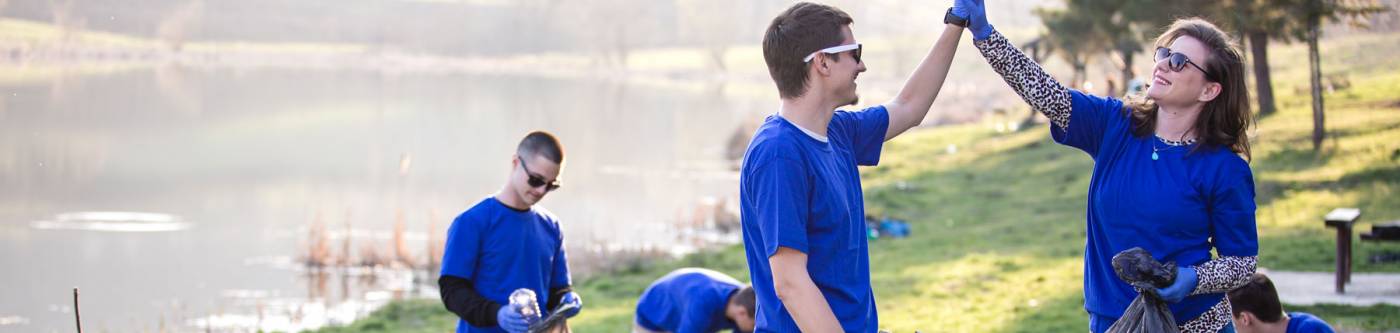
{"x":1210,"y":322}
{"x":1218,"y":276}
{"x":1027,"y":78}
{"x":1224,"y":274}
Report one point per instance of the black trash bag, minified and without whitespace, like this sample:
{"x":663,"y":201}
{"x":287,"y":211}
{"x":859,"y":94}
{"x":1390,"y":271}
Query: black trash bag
{"x":1148,"y":313}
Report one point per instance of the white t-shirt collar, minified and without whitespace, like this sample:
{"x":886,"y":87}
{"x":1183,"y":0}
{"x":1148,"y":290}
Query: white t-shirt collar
{"x":812,"y":134}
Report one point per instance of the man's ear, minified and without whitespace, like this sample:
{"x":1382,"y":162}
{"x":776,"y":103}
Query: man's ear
{"x":1246,"y":318}
{"x":820,"y":63}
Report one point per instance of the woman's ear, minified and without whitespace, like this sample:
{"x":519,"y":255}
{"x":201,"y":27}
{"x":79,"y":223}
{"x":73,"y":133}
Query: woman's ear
{"x":1210,"y":92}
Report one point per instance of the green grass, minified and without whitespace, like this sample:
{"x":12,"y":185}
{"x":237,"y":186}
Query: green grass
{"x":998,"y":237}
{"x":408,"y":317}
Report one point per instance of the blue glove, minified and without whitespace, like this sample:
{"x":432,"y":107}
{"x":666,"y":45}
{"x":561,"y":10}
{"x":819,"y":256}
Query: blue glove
{"x":510,"y":320}
{"x":571,"y":298}
{"x":975,"y":12}
{"x":1182,"y":287}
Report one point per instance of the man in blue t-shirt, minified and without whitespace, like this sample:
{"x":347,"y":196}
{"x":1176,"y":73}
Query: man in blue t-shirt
{"x":801,"y":204}
{"x":695,"y":300}
{"x":1257,"y":310}
{"x":505,"y":243}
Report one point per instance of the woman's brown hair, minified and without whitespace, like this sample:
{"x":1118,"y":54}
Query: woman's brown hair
{"x":1223,"y":121}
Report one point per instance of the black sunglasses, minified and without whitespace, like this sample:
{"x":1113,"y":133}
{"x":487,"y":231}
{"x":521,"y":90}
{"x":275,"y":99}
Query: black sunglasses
{"x":1178,"y":61}
{"x":855,"y":54}
{"x":535,"y":181}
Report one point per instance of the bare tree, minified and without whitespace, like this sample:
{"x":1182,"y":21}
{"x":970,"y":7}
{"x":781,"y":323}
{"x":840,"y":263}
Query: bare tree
{"x":609,"y":27}
{"x":908,"y":29}
{"x":61,"y":11}
{"x":174,"y":29}
{"x":1259,"y":22}
{"x":710,"y":24}
{"x":1071,"y":36}
{"x":1313,"y":13}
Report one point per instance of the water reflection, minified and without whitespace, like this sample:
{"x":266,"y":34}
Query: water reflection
{"x":254,"y":162}
{"x":113,"y":222}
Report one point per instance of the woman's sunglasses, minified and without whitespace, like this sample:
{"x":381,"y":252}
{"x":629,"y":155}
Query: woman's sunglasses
{"x":535,"y":181}
{"x":1177,"y":60}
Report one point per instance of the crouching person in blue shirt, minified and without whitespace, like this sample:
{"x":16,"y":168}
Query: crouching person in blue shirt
{"x":1257,"y":310}
{"x":505,"y":242}
{"x":695,"y":300}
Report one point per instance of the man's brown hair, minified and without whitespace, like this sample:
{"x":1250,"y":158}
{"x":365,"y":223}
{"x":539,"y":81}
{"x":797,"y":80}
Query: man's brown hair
{"x":797,"y":32}
{"x":1258,"y":297}
{"x":745,"y":297}
{"x":1225,"y":120}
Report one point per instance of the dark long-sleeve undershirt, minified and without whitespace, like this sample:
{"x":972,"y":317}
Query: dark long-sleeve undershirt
{"x":461,"y":298}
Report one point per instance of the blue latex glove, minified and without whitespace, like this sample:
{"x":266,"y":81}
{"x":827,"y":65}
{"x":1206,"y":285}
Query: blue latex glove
{"x":975,"y":12}
{"x":571,"y":298}
{"x":511,"y":321}
{"x":1182,"y":287}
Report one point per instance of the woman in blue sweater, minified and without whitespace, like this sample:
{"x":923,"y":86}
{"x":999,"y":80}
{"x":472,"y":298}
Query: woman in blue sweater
{"x":1170,"y":170}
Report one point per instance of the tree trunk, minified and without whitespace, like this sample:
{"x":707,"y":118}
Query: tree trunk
{"x":1315,"y":65}
{"x":716,"y":52}
{"x":1259,"y":47}
{"x":1077,"y":80}
{"x":1081,"y":73}
{"x":1127,"y":56}
{"x":620,"y":44}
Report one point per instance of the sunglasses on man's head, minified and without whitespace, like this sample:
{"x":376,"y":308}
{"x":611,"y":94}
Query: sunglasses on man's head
{"x":1177,"y":60}
{"x":855,"y":48}
{"x":535,"y":180}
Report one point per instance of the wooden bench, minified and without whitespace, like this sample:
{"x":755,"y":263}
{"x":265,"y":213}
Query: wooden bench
{"x":1384,"y":232}
{"x":1343,"y":219}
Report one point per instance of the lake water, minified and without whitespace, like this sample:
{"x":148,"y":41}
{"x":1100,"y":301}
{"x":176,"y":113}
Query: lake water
{"x":211,"y":181}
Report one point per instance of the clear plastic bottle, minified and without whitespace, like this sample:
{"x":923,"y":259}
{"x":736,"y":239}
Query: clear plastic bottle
{"x":523,"y":300}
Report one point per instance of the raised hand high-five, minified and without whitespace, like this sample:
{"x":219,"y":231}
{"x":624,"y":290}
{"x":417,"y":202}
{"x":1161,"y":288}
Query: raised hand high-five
{"x":975,"y":11}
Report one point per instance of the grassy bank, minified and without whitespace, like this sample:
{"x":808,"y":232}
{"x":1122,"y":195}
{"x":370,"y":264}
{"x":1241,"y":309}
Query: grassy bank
{"x":998,"y":225}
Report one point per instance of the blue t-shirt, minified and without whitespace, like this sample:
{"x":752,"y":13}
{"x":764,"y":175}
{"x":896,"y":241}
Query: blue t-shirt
{"x":1177,"y":207}
{"x":501,"y":249}
{"x":1303,"y":322}
{"x":688,"y":300}
{"x":802,"y":193}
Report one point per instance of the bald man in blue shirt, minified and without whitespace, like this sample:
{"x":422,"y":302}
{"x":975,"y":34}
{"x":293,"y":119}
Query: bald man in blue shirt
{"x":506,"y":242}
